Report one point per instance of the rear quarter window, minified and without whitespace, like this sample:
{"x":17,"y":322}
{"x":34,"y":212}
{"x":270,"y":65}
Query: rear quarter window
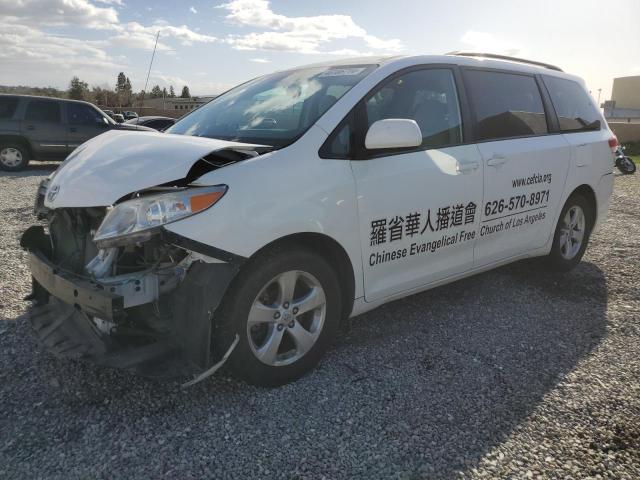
{"x":8,"y":107}
{"x":573,"y":105}
{"x":506,"y":105}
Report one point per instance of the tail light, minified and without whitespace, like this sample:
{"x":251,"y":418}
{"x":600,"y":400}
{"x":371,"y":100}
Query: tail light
{"x":613,"y":143}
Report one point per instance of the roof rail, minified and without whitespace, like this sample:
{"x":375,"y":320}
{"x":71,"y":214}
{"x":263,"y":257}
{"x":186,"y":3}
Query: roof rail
{"x":504,"y":57}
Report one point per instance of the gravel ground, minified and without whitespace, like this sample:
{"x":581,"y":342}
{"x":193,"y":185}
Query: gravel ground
{"x":514,"y":373}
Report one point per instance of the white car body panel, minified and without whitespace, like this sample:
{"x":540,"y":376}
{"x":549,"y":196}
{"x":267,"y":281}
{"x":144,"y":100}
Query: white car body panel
{"x":293,"y":191}
{"x":417,"y":184}
{"x":542,"y":162}
{"x":117,"y":163}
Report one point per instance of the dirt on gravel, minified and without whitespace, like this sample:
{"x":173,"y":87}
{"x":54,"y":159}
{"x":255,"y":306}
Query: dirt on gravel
{"x":515,"y":373}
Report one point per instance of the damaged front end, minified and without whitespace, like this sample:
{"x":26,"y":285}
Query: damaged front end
{"x":146,"y":306}
{"x":113,"y":286}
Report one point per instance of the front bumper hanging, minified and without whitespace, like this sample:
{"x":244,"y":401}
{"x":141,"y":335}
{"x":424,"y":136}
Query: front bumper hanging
{"x":86,"y":296}
{"x":66,"y":324}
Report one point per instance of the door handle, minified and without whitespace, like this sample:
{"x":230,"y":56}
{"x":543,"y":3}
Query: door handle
{"x":30,"y":127}
{"x":466,"y":167}
{"x":496,"y":160}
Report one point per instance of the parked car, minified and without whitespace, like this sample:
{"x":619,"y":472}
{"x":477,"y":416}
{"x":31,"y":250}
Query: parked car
{"x":118,"y":118}
{"x":255,"y":225}
{"x":110,"y":113}
{"x":40,"y":128}
{"x":128,"y":115}
{"x":157,"y":123}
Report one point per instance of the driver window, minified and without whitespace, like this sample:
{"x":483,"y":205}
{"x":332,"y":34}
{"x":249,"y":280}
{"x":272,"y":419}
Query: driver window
{"x":83,"y":115}
{"x":427,"y":96}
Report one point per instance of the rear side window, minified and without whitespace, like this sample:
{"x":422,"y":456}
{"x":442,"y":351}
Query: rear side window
{"x":8,"y":107}
{"x":427,"y":96}
{"x":43,"y":111}
{"x":574,"y":107}
{"x":506,"y":105}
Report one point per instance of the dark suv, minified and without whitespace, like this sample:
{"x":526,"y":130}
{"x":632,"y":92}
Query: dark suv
{"x":40,"y":128}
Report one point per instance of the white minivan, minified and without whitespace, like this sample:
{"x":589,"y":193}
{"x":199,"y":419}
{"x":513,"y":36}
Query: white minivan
{"x":251,"y":229}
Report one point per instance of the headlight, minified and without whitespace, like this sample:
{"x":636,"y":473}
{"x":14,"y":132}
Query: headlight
{"x":137,"y":220}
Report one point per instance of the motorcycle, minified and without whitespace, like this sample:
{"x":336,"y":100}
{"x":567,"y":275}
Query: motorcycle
{"x":624,"y":163}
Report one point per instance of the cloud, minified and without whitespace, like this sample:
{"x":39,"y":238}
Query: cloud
{"x":489,"y":43}
{"x":192,"y":9}
{"x":259,"y":60}
{"x":29,"y":47}
{"x":135,"y":35}
{"x":48,"y":13}
{"x":296,"y":34}
{"x":120,"y":3}
{"x":29,"y":54}
{"x":57,"y":12}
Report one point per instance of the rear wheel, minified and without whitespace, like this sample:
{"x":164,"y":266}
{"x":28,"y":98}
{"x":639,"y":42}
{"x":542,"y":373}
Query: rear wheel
{"x":13,"y":157}
{"x":572,"y":233}
{"x":285,"y":307}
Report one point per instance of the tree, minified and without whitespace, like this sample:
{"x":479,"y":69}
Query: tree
{"x":156,"y":92}
{"x":127,"y":93}
{"x":185,"y":92}
{"x":172,"y":92}
{"x":78,"y":90}
{"x":121,"y":82}
{"x":104,"y":96}
{"x":164,"y":92}
{"x":124,"y":90}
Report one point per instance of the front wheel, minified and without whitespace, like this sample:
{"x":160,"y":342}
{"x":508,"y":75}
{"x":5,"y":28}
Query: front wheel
{"x":626,"y":165}
{"x":285,"y":307}
{"x":572,"y":233}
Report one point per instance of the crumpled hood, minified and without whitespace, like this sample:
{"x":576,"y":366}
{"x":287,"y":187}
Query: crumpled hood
{"x":116,"y":163}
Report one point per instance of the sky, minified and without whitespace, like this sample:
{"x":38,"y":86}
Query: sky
{"x":211,"y":45}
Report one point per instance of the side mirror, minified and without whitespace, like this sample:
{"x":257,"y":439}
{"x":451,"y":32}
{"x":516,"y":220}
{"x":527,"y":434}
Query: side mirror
{"x":393,"y":133}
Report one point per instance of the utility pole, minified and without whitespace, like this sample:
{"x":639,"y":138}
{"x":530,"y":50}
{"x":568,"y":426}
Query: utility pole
{"x":599,"y":92}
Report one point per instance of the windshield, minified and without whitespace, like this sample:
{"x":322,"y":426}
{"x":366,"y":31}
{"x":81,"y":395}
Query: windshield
{"x":272,"y":110}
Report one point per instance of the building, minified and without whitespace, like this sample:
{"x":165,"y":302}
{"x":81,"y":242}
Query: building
{"x":624,"y":105}
{"x":175,"y":106}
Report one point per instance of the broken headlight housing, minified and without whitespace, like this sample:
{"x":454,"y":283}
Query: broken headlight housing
{"x":137,"y":220}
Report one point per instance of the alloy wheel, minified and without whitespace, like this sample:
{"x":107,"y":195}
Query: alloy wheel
{"x":286,"y":318}
{"x":572,"y":232}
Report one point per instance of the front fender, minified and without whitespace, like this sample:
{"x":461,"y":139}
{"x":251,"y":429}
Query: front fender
{"x":287,"y":192}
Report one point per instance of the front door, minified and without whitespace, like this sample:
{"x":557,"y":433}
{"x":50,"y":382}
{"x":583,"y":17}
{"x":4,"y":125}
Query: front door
{"x":418,"y":209}
{"x":85,"y":122}
{"x":524,"y":177}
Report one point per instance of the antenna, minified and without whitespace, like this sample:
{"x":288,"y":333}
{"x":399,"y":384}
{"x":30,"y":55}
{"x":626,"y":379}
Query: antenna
{"x":144,"y":92}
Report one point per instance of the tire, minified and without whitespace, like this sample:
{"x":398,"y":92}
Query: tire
{"x":627,"y":166}
{"x":13,"y":157}
{"x":566,"y":253}
{"x":259,"y":309}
